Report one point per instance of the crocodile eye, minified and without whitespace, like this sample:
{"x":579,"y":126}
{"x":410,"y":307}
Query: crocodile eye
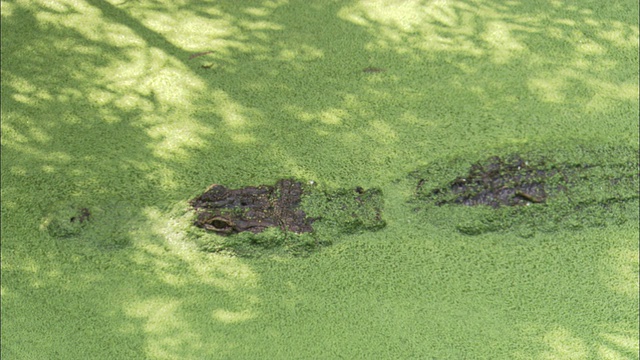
{"x":219,"y":224}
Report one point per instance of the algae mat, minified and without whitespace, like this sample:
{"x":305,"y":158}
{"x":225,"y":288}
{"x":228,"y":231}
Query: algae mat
{"x":116,"y":113}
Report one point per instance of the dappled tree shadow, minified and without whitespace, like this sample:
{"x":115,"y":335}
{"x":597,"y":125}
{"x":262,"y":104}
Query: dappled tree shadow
{"x":71,"y":85}
{"x":75,"y":100}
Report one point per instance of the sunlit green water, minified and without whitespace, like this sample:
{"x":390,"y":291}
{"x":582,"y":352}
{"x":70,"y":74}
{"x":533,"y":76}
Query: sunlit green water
{"x":103,"y":108}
